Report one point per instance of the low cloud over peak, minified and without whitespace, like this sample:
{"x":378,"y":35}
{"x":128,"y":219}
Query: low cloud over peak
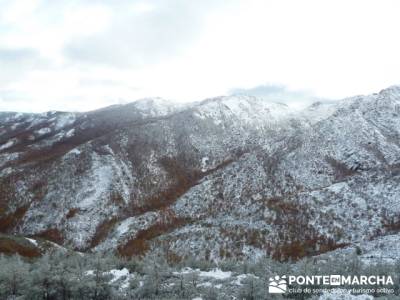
{"x":279,"y":93}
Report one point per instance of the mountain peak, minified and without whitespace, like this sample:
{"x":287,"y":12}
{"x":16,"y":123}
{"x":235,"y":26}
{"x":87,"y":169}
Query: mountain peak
{"x":391,"y":92}
{"x":152,"y":101}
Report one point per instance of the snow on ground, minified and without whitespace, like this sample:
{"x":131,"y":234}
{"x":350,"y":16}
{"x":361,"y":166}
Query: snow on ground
{"x":205,"y":284}
{"x":14,"y":126}
{"x":318,"y":111}
{"x":35,"y":120}
{"x":7,"y":157}
{"x":216,"y":274}
{"x":9,"y":144}
{"x":124,"y":226}
{"x":32,"y":241}
{"x":43,"y":131}
{"x":128,"y":228}
{"x":344,"y":296}
{"x":338,"y":187}
{"x":64,"y":120}
{"x":154,"y":106}
{"x":381,"y":249}
{"x":118,"y":274}
{"x":247,"y":109}
{"x":241,"y":277}
{"x":204,"y":162}
{"x":70,"y":133}
{"x":185,"y":271}
{"x":75,"y":151}
{"x":253,"y":252}
{"x":98,"y":184}
{"x":223,"y":278}
{"x":123,"y":275}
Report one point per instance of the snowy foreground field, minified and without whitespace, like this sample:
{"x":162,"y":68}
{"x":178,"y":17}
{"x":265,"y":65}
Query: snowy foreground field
{"x":71,"y":275}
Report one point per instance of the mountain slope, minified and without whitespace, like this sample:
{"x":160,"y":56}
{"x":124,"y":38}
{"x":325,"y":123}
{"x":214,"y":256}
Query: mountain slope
{"x":229,"y":176}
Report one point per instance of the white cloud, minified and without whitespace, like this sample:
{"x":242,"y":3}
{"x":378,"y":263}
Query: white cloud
{"x":80,"y":54}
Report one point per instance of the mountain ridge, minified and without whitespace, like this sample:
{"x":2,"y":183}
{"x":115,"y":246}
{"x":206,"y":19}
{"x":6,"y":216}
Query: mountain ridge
{"x":229,"y":176}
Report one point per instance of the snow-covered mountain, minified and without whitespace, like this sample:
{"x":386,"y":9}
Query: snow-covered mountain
{"x":226,"y":177}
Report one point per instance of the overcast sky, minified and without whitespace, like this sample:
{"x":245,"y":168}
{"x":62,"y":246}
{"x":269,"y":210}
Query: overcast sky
{"x":81,"y":55}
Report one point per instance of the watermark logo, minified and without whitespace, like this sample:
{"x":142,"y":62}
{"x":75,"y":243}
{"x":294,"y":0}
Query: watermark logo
{"x":277,"y":285}
{"x":318,"y":283}
{"x":335,"y":280}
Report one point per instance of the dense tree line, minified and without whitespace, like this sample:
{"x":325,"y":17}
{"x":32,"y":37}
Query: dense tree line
{"x":64,"y":275}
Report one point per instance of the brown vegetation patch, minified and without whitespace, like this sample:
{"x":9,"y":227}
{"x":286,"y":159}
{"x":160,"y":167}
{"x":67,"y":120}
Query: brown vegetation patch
{"x":184,"y":180}
{"x":391,"y":224}
{"x":102,"y":122}
{"x":102,"y":231}
{"x":72,"y":212}
{"x":7,"y":191}
{"x":297,"y":249}
{"x":341,"y":171}
{"x":117,"y":198}
{"x":281,"y":206}
{"x":296,"y":238}
{"x":52,"y":234}
{"x":39,"y":189}
{"x":9,"y":221}
{"x":140,"y":244}
{"x":11,"y":246}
